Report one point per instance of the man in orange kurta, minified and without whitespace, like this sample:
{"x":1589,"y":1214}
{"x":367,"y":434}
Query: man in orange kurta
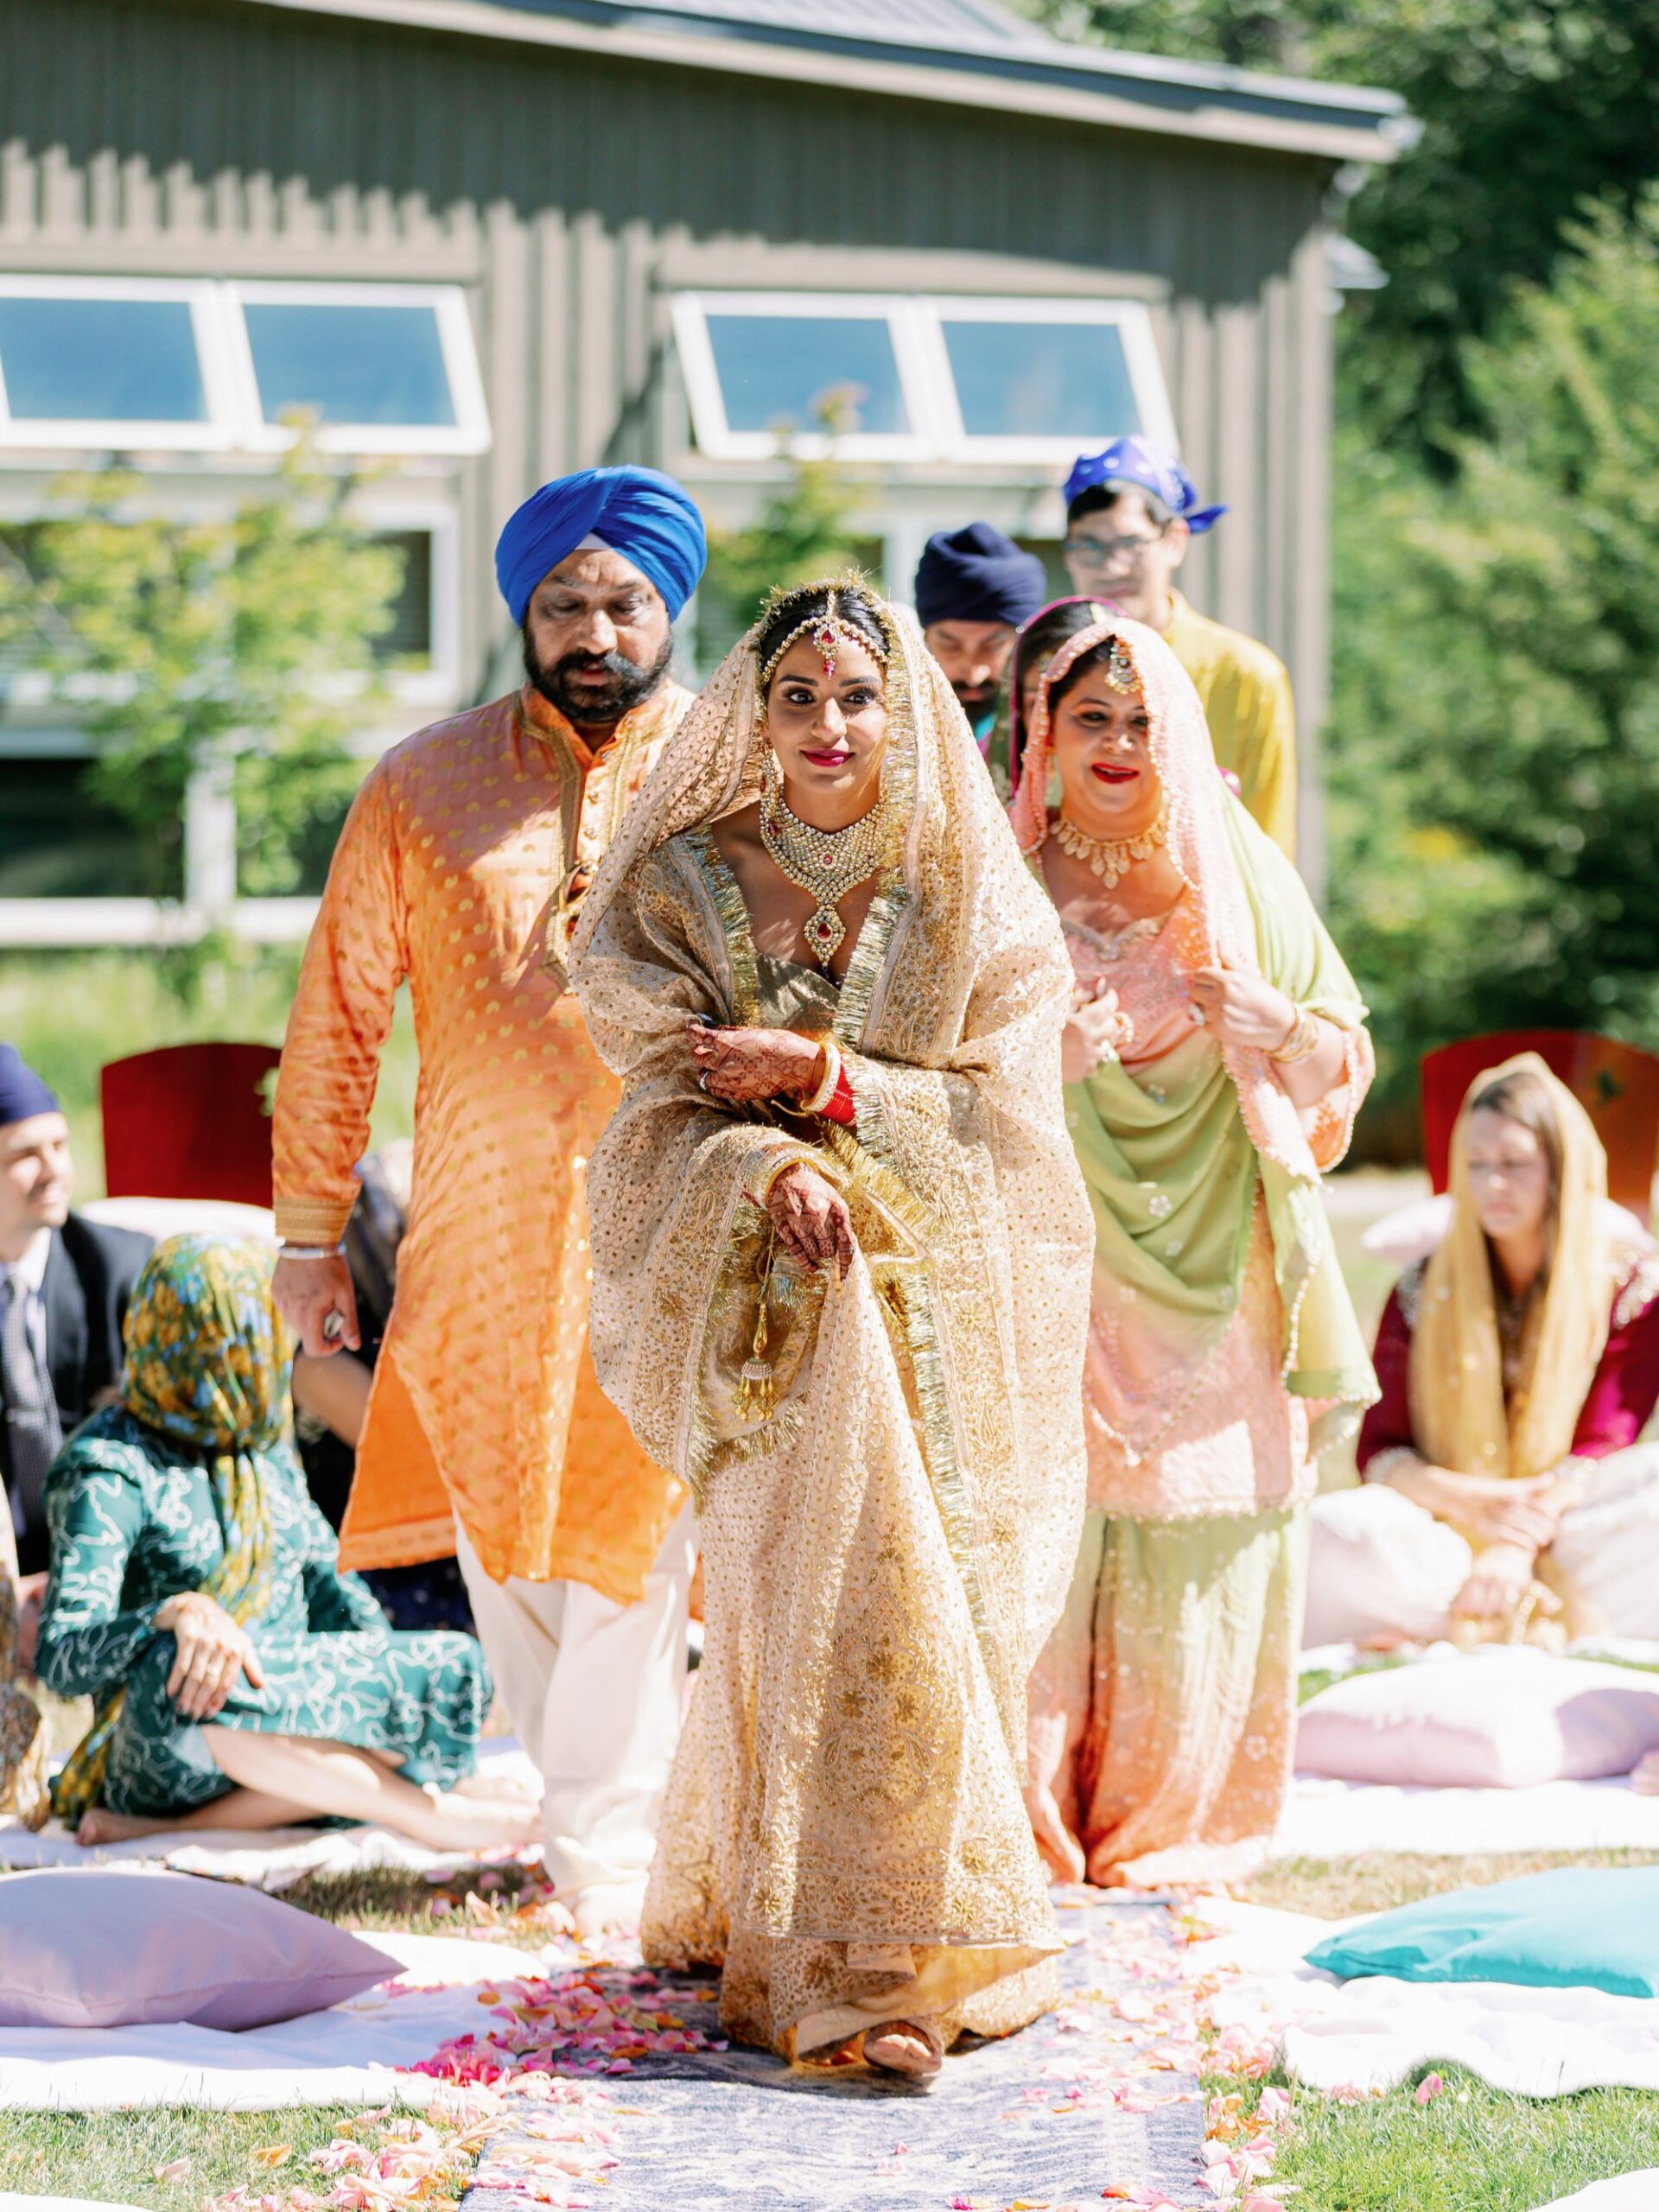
{"x":460,"y":868}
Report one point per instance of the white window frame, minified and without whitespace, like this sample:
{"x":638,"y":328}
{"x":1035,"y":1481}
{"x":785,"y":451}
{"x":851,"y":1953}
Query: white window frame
{"x":234,"y":421}
{"x":469,"y":433}
{"x":1141,"y":359}
{"x":916,"y":323}
{"x":719,"y":441}
{"x":213,"y":434}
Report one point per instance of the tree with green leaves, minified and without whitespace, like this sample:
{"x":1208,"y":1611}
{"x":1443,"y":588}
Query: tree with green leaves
{"x":1495,"y":744}
{"x":1527,"y":108}
{"x":241,"y":646}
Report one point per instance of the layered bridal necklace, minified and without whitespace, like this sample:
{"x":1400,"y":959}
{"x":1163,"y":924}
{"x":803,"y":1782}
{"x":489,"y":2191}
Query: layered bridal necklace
{"x":1109,"y":858}
{"x":825,"y":863}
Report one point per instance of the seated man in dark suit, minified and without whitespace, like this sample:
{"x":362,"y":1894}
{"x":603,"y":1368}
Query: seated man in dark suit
{"x":64,"y":1286}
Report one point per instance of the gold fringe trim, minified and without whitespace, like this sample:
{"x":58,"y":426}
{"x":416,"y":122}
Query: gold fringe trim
{"x":722,"y":888}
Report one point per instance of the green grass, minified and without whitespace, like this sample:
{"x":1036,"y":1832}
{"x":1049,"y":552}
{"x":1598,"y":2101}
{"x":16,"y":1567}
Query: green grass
{"x":1336,"y":1889}
{"x":1472,"y":2150}
{"x":114,"y":2156}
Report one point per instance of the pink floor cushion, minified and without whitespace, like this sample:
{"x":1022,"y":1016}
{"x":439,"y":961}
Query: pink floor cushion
{"x":104,"y":1947}
{"x":1501,"y":1718}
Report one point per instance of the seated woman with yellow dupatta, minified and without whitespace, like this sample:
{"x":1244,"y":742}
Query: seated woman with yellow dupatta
{"x":1505,"y":1492}
{"x":238,"y":1679}
{"x":1215,"y":1061}
{"x":840,"y":1278}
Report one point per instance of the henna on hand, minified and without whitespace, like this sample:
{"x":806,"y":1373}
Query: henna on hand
{"x":742,"y":1066}
{"x":811,"y":1217}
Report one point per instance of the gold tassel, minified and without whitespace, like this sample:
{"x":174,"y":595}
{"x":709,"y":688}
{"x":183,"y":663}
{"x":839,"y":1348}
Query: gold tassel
{"x":756,"y":1394}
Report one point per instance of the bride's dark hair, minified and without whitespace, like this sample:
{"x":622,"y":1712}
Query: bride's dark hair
{"x":843,"y":599}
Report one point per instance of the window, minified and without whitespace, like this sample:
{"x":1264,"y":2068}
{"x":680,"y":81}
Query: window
{"x":112,"y":364}
{"x":104,"y":362}
{"x":926,"y":377}
{"x":58,"y":842}
{"x":382,"y":368}
{"x":786,"y":371}
{"x":1029,"y":375}
{"x":410,"y":639}
{"x":762,"y":365}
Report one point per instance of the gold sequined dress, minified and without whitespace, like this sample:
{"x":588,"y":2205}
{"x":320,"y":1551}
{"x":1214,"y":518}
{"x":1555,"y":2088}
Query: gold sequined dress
{"x":888,"y":1539}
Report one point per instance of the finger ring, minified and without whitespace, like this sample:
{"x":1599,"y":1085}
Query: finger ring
{"x":1198,"y":1014}
{"x":702,"y":1079}
{"x":333,"y":1327}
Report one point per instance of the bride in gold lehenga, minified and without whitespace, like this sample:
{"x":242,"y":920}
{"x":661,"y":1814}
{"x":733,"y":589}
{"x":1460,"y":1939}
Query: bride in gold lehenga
{"x":840,"y":1275}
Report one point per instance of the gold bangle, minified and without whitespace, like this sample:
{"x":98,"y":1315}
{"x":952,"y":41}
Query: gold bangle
{"x":1302,"y":1042}
{"x":824,"y":1089}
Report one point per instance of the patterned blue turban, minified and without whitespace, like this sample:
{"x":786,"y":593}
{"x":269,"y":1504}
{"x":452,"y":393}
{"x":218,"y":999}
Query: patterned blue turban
{"x":638,"y":513}
{"x":976,"y":575}
{"x":1154,"y":469}
{"x":23,"y":1093}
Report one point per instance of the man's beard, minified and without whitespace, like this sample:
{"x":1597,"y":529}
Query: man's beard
{"x":591,"y":705}
{"x":976,"y":698}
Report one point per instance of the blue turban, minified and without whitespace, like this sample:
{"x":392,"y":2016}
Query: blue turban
{"x":643,"y":515}
{"x":1154,"y":469}
{"x":976,"y":575}
{"x":22,"y":1092}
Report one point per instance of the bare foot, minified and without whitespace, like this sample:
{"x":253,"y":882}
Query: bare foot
{"x":609,"y":1908}
{"x":467,"y":1823}
{"x":101,"y":1825}
{"x":498,"y":1788}
{"x":913,"y":2048}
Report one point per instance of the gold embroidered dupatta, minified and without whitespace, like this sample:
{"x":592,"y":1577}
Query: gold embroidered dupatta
{"x":851,"y":1780}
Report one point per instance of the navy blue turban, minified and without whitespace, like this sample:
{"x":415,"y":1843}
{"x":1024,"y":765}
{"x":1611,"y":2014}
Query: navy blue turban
{"x":638,"y":513}
{"x":22,"y":1092}
{"x":976,"y":575}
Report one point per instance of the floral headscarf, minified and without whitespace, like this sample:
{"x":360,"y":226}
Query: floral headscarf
{"x":207,"y":1363}
{"x":208,"y":1357}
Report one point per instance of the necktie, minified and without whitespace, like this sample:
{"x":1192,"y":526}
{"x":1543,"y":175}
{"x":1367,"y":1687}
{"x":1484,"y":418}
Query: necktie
{"x":33,"y":1432}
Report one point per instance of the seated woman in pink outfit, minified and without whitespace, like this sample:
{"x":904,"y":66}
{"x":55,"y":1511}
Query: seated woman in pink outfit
{"x":1504,"y":1486}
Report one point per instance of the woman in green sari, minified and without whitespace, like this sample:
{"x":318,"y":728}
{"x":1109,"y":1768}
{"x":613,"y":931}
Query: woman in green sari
{"x":1214,"y":1063}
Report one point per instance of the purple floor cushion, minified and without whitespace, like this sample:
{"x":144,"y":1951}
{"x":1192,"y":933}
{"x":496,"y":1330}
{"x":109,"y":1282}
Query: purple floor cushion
{"x":104,"y":1947}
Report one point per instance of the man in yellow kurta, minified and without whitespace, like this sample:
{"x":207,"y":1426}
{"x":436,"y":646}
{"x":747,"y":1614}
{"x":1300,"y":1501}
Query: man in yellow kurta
{"x":1131,"y":512}
{"x":460,"y":868}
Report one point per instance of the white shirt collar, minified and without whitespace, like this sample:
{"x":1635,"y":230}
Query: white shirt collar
{"x":31,"y":1265}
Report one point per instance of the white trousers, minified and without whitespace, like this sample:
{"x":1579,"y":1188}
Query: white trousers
{"x":595,"y":1691}
{"x":1378,"y":1563}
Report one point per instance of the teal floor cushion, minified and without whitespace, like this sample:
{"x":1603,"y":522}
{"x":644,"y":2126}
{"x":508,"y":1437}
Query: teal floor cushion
{"x":1596,"y":1927}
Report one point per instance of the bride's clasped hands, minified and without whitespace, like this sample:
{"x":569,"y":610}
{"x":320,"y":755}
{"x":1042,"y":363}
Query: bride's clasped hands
{"x":743,"y":1066}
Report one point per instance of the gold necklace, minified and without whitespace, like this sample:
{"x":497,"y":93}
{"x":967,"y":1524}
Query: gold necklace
{"x":1110,"y":858}
{"x":825,"y":863}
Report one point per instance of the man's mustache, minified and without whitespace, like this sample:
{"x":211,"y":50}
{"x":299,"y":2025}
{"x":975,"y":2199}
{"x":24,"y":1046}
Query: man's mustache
{"x":597,"y":665}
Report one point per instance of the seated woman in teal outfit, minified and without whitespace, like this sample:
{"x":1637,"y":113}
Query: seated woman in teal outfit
{"x":239,"y":1679}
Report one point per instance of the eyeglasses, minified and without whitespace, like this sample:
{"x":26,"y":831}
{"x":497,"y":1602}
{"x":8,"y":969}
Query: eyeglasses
{"x":1100,"y":552}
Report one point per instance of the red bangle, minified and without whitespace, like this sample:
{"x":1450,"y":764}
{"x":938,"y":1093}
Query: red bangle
{"x":840,"y":1106}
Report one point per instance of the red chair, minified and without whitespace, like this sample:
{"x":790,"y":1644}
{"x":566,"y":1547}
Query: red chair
{"x":190,"y":1121}
{"x":1617,"y":1085}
